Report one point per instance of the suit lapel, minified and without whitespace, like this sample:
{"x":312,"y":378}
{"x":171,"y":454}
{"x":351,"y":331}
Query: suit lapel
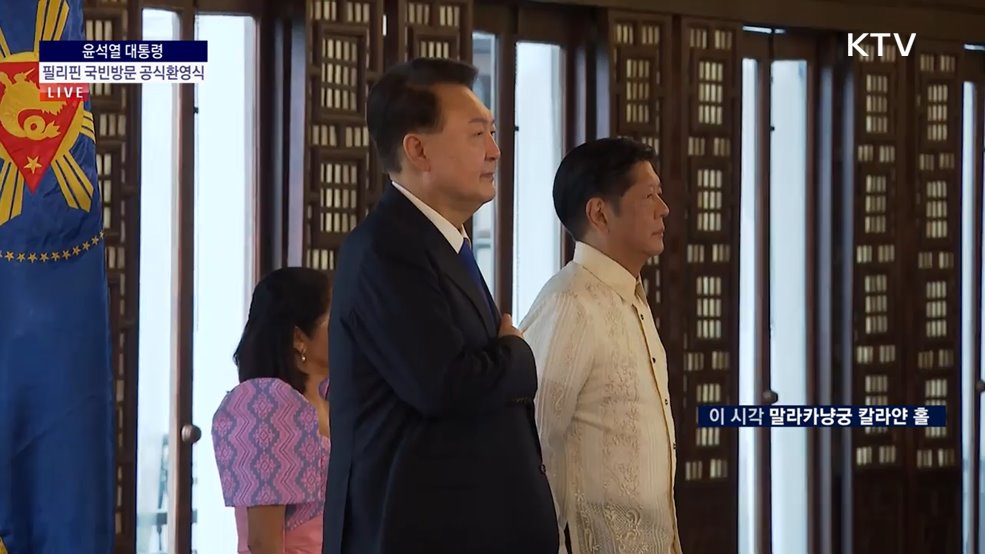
{"x":444,"y":255}
{"x":452,"y":266}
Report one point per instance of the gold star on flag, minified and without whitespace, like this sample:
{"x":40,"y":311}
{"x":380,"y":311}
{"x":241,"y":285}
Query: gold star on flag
{"x":32,"y":164}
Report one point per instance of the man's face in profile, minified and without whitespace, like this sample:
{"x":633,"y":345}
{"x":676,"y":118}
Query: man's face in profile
{"x":463,"y":153}
{"x":639,"y":221}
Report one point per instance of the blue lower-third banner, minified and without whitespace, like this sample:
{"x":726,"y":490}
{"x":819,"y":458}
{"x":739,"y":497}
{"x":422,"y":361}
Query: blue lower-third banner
{"x":822,"y":416}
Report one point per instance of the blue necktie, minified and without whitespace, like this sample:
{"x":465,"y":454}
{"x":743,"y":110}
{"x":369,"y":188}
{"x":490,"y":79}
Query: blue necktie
{"x":468,"y":258}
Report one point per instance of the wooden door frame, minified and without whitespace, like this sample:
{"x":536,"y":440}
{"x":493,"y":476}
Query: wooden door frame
{"x":972,"y":71}
{"x":766,"y":48}
{"x":565,"y":26}
{"x":183,"y":430}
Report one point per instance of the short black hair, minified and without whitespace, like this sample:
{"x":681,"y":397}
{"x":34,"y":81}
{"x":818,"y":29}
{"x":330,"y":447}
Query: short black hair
{"x":286,"y":298}
{"x":402,"y":101}
{"x":596,"y":169}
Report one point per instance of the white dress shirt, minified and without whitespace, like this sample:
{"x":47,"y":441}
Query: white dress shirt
{"x":603,"y":409}
{"x":455,"y":237}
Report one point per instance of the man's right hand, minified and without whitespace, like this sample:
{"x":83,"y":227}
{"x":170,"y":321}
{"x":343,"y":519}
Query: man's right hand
{"x":506,"y":327}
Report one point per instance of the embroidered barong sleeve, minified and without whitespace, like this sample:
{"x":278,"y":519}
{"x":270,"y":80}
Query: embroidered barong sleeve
{"x":559,"y":335}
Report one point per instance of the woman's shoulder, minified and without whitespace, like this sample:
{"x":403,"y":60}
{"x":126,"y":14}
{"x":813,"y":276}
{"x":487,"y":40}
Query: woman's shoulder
{"x":265,"y":401}
{"x":268,"y":388}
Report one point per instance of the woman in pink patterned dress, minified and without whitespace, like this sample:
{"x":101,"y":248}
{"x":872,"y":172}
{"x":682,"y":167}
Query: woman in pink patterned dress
{"x":271,"y":431}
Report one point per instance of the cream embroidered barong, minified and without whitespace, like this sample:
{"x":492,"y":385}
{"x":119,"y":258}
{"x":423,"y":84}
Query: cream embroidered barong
{"x":603,"y":409}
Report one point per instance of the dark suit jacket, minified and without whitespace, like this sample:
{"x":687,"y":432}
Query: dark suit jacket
{"x":434,"y":445}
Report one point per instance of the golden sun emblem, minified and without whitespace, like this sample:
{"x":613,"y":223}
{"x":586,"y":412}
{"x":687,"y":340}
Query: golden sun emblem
{"x":37,"y":134}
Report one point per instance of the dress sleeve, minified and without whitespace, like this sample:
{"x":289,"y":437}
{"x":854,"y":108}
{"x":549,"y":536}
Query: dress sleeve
{"x":267,"y":446}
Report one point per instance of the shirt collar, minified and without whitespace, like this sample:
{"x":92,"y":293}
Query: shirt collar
{"x":608,"y":271}
{"x":455,"y":237}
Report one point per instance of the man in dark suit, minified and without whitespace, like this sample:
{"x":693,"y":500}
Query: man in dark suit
{"x":434,"y":445}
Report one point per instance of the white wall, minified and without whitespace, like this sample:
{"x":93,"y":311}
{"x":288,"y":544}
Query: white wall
{"x":788,"y":295}
{"x":157,"y":175}
{"x":750,"y":490}
{"x":224,"y":276}
{"x":536,"y":229}
{"x":788,"y":314}
{"x":224,"y":245}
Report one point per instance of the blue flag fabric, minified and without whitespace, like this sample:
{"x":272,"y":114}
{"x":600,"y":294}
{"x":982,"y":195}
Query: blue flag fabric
{"x":56,"y":395}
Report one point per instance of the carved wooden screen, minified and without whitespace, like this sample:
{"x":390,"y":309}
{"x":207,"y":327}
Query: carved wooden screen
{"x":933,"y":364}
{"x":906,"y":296}
{"x":345,"y":49}
{"x":700,"y":170}
{"x":707,"y":490}
{"x":435,"y":29}
{"x":878,"y":491}
{"x":116,"y":167}
{"x":639,"y":77}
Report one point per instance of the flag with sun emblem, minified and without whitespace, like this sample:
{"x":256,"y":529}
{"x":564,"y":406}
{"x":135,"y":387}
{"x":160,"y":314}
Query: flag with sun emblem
{"x":56,"y":403}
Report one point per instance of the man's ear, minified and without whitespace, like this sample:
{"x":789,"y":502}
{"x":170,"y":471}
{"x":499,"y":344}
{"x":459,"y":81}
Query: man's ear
{"x":415,"y":152}
{"x":595,"y":214}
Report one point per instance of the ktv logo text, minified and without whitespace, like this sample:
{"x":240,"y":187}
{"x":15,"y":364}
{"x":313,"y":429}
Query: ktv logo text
{"x":857,"y":43}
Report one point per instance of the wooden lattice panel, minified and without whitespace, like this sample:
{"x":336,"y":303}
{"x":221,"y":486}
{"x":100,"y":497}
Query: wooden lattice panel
{"x":934,"y":338}
{"x":707,"y":486}
{"x":119,"y":191}
{"x":345,"y":54}
{"x":436,"y":29}
{"x":639,"y":56}
{"x":877,"y":301}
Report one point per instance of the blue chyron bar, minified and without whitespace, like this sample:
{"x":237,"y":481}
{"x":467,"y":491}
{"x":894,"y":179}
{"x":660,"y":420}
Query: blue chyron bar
{"x":822,"y":416}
